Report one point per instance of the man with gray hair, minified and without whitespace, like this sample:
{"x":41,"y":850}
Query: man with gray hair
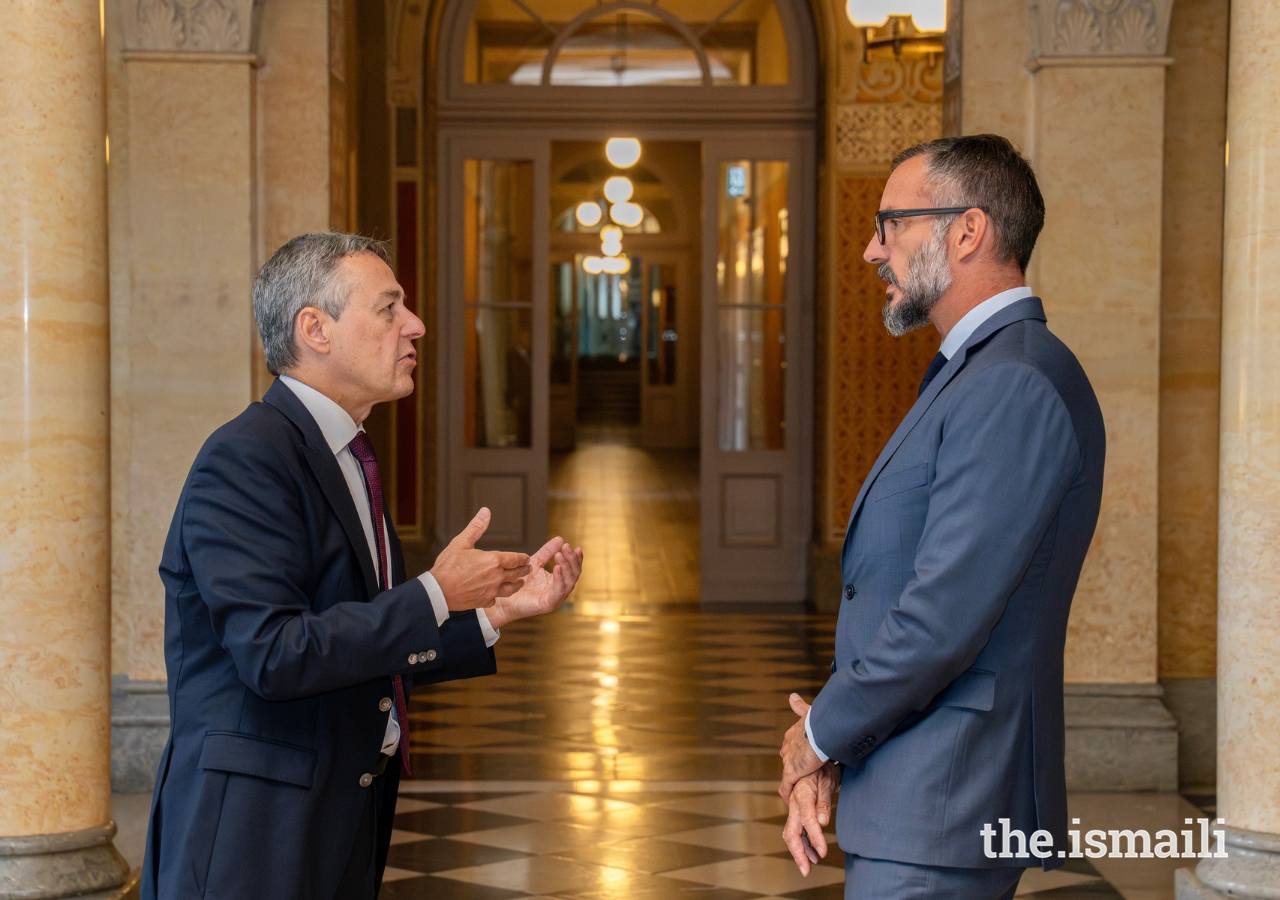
{"x":942,"y":721}
{"x":292,"y":634}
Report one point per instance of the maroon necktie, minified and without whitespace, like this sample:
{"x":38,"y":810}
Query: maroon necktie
{"x":362,"y":449}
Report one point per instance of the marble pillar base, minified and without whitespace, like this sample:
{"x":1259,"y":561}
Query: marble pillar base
{"x":1194,"y":703}
{"x":1120,"y":737}
{"x":73,"y":864}
{"x":1251,"y":870}
{"x":139,"y":731}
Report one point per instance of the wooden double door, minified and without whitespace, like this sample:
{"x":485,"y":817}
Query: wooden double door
{"x":510,"y":332}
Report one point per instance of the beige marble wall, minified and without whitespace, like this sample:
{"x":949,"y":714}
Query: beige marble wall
{"x":1191,"y":310}
{"x":996,"y":96}
{"x":293,"y":104}
{"x":54,"y":723}
{"x":293,"y":122}
{"x":1098,"y":133}
{"x":182,"y":342}
{"x":1249,"y":510}
{"x":216,"y":164}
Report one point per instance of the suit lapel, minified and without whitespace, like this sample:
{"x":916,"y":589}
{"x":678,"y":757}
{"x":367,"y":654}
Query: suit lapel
{"x":1029,"y":308}
{"x":325,"y":467}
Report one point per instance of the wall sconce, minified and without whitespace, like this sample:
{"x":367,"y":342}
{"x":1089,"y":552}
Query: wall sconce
{"x":899,"y":29}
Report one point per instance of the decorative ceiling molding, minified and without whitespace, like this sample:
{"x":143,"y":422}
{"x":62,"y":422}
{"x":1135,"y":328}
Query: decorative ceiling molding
{"x":190,"y":26}
{"x":1097,"y":29}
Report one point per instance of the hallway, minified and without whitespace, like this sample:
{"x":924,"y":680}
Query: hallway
{"x":635,"y":514}
{"x":627,"y":747}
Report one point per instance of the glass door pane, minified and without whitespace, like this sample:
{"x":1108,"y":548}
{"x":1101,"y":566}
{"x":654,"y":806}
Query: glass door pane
{"x":751,"y":285}
{"x":498,"y":298}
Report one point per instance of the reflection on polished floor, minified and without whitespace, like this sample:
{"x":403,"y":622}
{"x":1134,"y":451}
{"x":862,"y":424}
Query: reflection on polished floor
{"x":635,"y":514}
{"x":627,"y":747}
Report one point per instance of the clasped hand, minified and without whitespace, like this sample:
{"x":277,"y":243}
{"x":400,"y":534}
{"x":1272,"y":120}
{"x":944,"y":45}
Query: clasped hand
{"x":808,"y":786}
{"x":508,"y":586}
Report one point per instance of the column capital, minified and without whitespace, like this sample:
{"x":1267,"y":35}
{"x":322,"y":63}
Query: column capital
{"x":198,"y":27}
{"x":1098,"y":32}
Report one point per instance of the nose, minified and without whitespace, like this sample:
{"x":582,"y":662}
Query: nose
{"x":413,"y":328}
{"x":875,"y":252}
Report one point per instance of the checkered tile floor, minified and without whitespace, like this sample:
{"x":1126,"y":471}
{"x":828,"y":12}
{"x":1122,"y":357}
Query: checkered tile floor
{"x":624,"y":757}
{"x":709,"y":840}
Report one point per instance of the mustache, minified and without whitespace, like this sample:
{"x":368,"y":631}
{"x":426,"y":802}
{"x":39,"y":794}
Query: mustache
{"x":886,"y":274}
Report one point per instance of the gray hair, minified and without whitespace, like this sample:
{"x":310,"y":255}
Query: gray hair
{"x":302,"y":273}
{"x":986,"y":171}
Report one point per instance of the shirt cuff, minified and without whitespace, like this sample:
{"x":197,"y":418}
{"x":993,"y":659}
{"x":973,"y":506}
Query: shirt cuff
{"x":441,"y":608}
{"x":490,"y":633}
{"x":808,"y":732}
{"x":438,"y":602}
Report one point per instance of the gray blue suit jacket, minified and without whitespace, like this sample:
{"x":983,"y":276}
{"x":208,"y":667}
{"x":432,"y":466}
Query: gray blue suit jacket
{"x":962,"y":555}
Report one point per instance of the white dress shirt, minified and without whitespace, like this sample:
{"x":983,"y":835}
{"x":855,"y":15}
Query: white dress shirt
{"x":339,"y":429}
{"x":954,"y":340}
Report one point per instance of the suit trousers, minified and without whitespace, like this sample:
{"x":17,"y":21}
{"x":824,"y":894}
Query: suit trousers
{"x":882,"y":879}
{"x":362,"y":877}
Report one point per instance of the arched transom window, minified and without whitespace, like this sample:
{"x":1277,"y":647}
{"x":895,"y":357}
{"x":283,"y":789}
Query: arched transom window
{"x":621,"y":43}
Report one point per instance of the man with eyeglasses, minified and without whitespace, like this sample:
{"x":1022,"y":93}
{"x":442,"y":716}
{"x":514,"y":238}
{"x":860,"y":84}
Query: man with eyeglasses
{"x":943,"y":716}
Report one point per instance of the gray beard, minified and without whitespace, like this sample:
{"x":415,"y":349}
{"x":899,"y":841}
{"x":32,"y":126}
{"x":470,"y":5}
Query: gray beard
{"x":928,"y":277}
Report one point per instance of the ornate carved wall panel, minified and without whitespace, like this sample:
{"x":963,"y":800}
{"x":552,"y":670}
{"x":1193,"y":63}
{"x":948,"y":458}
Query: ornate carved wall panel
{"x":870,"y":135}
{"x":874,"y":376}
{"x":1076,"y":28}
{"x":193,"y":26}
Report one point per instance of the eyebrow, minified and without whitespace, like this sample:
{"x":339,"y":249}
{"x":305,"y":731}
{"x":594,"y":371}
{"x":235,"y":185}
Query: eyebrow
{"x":391,"y":295}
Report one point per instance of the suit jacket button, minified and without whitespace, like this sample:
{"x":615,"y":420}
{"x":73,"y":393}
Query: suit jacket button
{"x":366,"y":779}
{"x":385,"y":704}
{"x":429,"y":656}
{"x":413,"y":659}
{"x":848,"y":592}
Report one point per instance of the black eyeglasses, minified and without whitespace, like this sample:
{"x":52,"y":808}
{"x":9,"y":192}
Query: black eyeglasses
{"x":885,"y":215}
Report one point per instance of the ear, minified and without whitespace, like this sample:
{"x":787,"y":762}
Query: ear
{"x":969,"y":231}
{"x":312,"y":330}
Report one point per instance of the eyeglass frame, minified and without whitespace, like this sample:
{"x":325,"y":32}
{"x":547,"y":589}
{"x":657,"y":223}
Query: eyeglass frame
{"x":884,"y":215}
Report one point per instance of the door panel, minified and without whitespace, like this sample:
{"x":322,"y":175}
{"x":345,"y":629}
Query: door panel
{"x":493,"y":308}
{"x":665,"y":419}
{"x":756,"y":378}
{"x":564,"y":353}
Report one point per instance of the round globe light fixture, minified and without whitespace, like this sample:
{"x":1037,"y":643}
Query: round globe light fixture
{"x":626,"y":214}
{"x":593,"y":265}
{"x":622,"y":152}
{"x":616,"y":265}
{"x":619,"y":189}
{"x":588,"y":214}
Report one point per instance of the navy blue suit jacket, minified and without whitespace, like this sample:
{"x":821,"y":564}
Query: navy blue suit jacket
{"x":962,"y":556}
{"x":279,"y":650}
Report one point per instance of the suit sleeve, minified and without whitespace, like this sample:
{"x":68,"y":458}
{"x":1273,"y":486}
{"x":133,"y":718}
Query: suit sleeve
{"x":1007,"y":457}
{"x":243,"y":524}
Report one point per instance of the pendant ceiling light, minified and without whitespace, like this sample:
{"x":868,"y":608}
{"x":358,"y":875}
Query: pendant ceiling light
{"x":622,"y":152}
{"x":626,"y":214}
{"x":588,"y":214}
{"x":618,"y":189}
{"x":898,"y":29}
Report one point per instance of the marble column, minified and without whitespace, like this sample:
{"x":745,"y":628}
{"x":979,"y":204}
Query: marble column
{"x":55,"y":826}
{"x":1249,"y":474}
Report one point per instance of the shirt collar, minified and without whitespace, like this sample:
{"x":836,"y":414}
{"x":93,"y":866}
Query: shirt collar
{"x":969,"y":323}
{"x":335,"y":424}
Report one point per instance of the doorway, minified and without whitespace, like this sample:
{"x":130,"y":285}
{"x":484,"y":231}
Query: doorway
{"x":690,"y":336}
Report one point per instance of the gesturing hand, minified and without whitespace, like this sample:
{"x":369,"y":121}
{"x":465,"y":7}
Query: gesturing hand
{"x":798,"y":758}
{"x":543,"y":591}
{"x":808,"y":812}
{"x":471,"y":578}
